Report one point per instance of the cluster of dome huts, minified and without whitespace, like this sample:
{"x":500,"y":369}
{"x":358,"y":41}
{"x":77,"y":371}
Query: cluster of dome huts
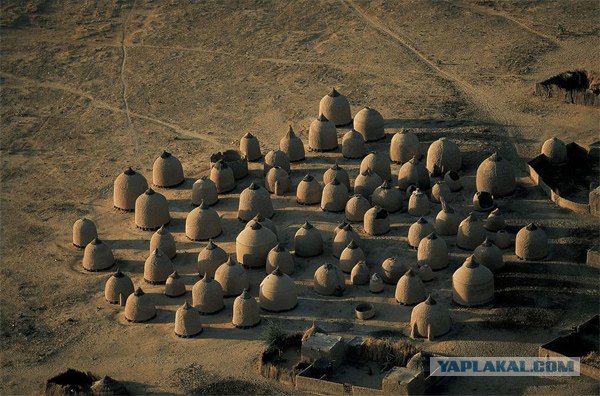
{"x":423,"y":190}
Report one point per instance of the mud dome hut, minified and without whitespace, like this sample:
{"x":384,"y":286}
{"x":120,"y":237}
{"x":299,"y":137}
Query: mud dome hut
{"x":392,"y":270}
{"x":322,"y":135}
{"x":167,"y":171}
{"x":253,"y":244}
{"x":410,"y":289}
{"x":308,"y":241}
{"x":278,"y":292}
{"x":151,"y":211}
{"x":343,"y":237}
{"x":207,"y":296}
{"x":425,"y":273}
{"x":452,"y":179}
{"x":404,"y":146}
{"x":496,"y":176}
{"x":443,"y":156}
{"x":356,"y":207}
{"x":127,"y":187}
{"x":339,"y":173}
{"x":414,"y":173}
{"x":329,"y":280}
{"x":280,"y":257}
{"x":366,"y":182}
{"x":471,"y":233}
{"x":495,"y":221}
{"x":157,"y":268}
{"x":263,"y":222}
{"x":353,"y":145}
{"x":433,"y":252}
{"x":117,"y":288}
{"x":447,"y":221}
{"x":483,"y":201}
{"x":503,"y":239}
{"x":204,"y":190}
{"x":278,"y":181}
{"x":232,"y":277}
{"x":555,"y":151}
{"x":309,"y":191}
{"x":292,"y":145}
{"x":489,"y":255}
{"x":360,"y":274}
{"x":174,"y":286}
{"x":162,"y":239}
{"x":375,"y":284}
{"x":336,"y":108}
{"x":84,"y":232}
{"x":379,"y":164}
{"x":210,"y":258}
{"x":255,"y":200}
{"x":531,"y":243}
{"x":377,"y":221}
{"x":97,"y":256}
{"x":430,"y":320}
{"x":369,"y":123}
{"x":276,"y":158}
{"x":187,"y":321}
{"x":441,"y":192}
{"x":222,"y":175}
{"x":233,"y":159}
{"x":350,"y":256}
{"x":246,"y":312}
{"x":203,"y":223}
{"x":139,"y":307}
{"x":419,"y":230}
{"x":250,"y":147}
{"x":388,"y":197}
{"x":418,"y":204}
{"x":472,"y":284}
{"x":334,"y":196}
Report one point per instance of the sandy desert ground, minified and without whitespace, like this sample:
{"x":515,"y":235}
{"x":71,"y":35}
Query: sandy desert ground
{"x":89,"y":88}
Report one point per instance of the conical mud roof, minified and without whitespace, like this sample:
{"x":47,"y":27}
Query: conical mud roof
{"x":278,"y":292}
{"x":246,"y":312}
{"x":97,"y":256}
{"x":167,"y":171}
{"x":139,"y":307}
{"x":188,"y":322}
{"x":410,"y":289}
{"x":127,"y":187}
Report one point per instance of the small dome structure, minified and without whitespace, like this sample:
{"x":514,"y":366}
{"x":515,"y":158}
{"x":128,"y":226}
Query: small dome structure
{"x":356,"y":207}
{"x":375,"y":284}
{"x":174,"y":286}
{"x":278,"y":292}
{"x":292,"y":145}
{"x":250,"y":147}
{"x":84,"y":232}
{"x":430,"y":320}
{"x":447,"y":221}
{"x":246,"y":312}
{"x":210,"y":258}
{"x":339,"y":227}
{"x":205,"y":190}
{"x":187,"y":321}
{"x":97,"y":256}
{"x":360,"y":274}
{"x":163,"y":240}
{"x":255,"y":200}
{"x":151,"y":211}
{"x":483,"y":201}
{"x":139,"y":307}
{"x":419,"y":230}
{"x":336,"y":108}
{"x":203,"y":223}
{"x":366,"y":182}
{"x":531,"y":243}
{"x":404,"y":146}
{"x":127,"y":187}
{"x":334,"y":196}
{"x":496,"y":176}
{"x":277,"y":158}
{"x":413,"y":172}
{"x":343,"y":237}
{"x":309,"y":191}
{"x":322,"y":135}
{"x":503,"y":239}
{"x":369,"y":123}
{"x":470,"y":233}
{"x":157,"y":268}
{"x":222,"y":175}
{"x":207,"y":296}
{"x":278,"y":181}
{"x":489,"y":254}
{"x":433,"y":252}
{"x":353,"y":145}
{"x":426,"y":273}
{"x":452,"y":180}
{"x":329,"y":280}
{"x":117,"y":288}
{"x":443,"y":156}
{"x":233,"y":159}
{"x":336,"y":172}
{"x":418,"y":204}
{"x":280,"y":257}
{"x":555,"y":151}
{"x":308,"y":241}
{"x":377,"y":221}
{"x":495,"y":221}
{"x":263,"y":222}
{"x":253,"y":244}
{"x":167,"y":171}
{"x":410,"y":289}
{"x":379,"y":164}
{"x":350,"y":256}
{"x":392,"y":269}
{"x":388,"y":197}
{"x":439,"y":191}
{"x":472,"y":284}
{"x":232,"y":277}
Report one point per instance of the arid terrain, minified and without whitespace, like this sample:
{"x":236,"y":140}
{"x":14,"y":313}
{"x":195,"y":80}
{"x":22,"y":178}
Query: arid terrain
{"x":91,"y":87}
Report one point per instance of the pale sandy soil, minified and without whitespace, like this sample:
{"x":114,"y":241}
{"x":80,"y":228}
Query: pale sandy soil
{"x":89,"y":88}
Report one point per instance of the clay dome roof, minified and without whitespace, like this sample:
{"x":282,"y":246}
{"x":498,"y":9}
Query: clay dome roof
{"x":378,"y":163}
{"x":339,"y":227}
{"x":375,"y":284}
{"x":419,"y":230}
{"x":278,"y":292}
{"x":483,"y":201}
{"x":503,"y":239}
{"x":388,"y":197}
{"x":452,"y":180}
{"x":277,"y":175}
{"x":531,"y":243}
{"x":204,"y":190}
{"x":334,"y":196}
{"x":489,"y":254}
{"x":471,"y":233}
{"x":430,"y":319}
{"x":426,"y":273}
{"x":263,"y":222}
{"x":353,"y":145}
{"x":309,"y":191}
{"x":234,"y":160}
{"x":410,"y":289}
{"x":495,"y":221}
{"x":151,"y":211}
{"x":203,"y":223}
{"x":174,"y":286}
{"x":210,"y":258}
{"x":447,"y":221}
{"x":336,"y":172}
{"x":369,"y":123}
{"x":308,"y":241}
{"x":440,"y":190}
{"x":392,"y":269}
{"x":232,"y":277}
{"x":277,"y":158}
{"x":250,"y":147}
{"x":162,"y":239}
{"x":418,"y":204}
{"x":433,"y":252}
{"x":496,"y":176}
{"x":413,"y":172}
{"x":322,"y":135}
{"x":343,"y":237}
{"x":366,"y":182}
{"x":472,"y":284}
{"x":360,"y":274}
{"x":222,"y":175}
{"x":167,"y":171}
{"x":255,"y":200}
{"x":139,"y":307}
{"x":207,"y":296}
{"x":376,"y":221}
{"x":246,"y":312}
{"x":84,"y":232}
{"x":356,"y":207}
{"x":555,"y":151}
{"x":127,"y":187}
{"x":280,"y":257}
{"x":329,"y":280}
{"x":97,"y":256}
{"x":292,"y":145}
{"x":350,"y":256}
{"x":253,"y":244}
{"x":157,"y":268}
{"x":336,"y":108}
{"x":117,"y":288}
{"x":187,"y":321}
{"x":404,"y":146}
{"x":443,"y":156}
